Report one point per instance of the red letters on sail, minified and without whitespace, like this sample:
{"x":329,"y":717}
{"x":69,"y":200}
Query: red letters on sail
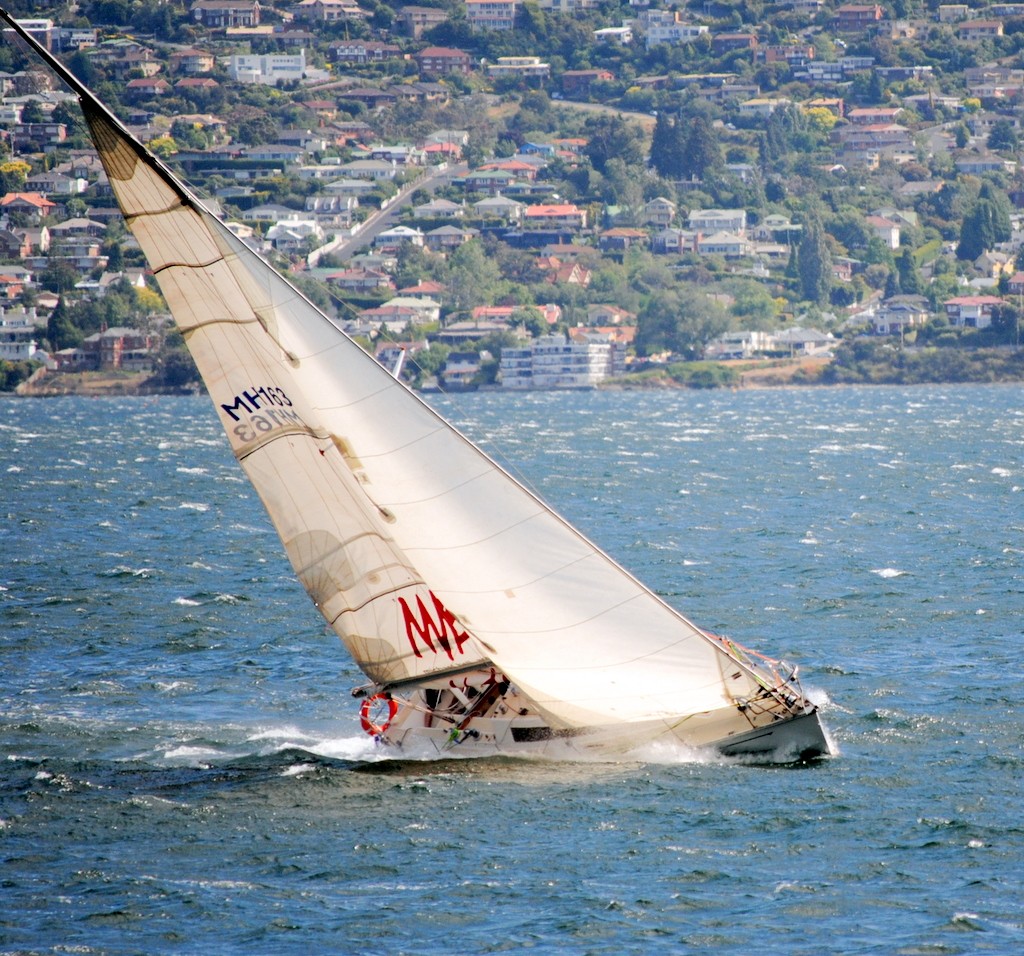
{"x":440,"y":625}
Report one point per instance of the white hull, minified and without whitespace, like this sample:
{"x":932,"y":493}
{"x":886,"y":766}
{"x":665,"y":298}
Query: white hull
{"x":431,"y":722}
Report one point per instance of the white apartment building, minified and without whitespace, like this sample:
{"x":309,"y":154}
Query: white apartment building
{"x":553,"y":361}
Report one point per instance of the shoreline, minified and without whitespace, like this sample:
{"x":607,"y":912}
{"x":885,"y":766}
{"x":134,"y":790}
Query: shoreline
{"x":803,"y":372}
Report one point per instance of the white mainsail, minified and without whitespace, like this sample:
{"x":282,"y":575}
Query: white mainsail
{"x":421,"y":553}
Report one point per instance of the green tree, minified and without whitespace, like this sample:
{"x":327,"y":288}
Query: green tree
{"x":701,"y":150}
{"x":612,"y":137}
{"x":61,"y":331}
{"x":472,"y":276}
{"x":1003,"y":136}
{"x":814,"y":263}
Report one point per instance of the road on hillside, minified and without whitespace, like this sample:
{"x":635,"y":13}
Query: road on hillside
{"x":382,"y":219}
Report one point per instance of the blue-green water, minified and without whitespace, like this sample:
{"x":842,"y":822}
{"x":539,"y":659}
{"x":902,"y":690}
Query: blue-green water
{"x":182,"y":769}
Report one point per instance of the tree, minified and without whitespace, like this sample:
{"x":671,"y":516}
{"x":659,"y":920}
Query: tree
{"x":701,"y":150}
{"x":472,"y":276}
{"x":1003,"y":136}
{"x":59,"y":276}
{"x":814,"y":263}
{"x":978,"y":232}
{"x":61,"y":332}
{"x":678,"y":322}
{"x":612,"y":137}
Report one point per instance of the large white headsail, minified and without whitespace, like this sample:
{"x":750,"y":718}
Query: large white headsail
{"x":420,"y":552}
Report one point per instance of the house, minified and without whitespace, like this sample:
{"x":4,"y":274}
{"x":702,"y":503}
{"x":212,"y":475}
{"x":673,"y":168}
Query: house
{"x":659,"y":212}
{"x":33,"y":205}
{"x":762,"y":106}
{"x":792,"y":54}
{"x":393,"y":239}
{"x":1016,"y":284}
{"x":394,"y":318}
{"x":491,"y":14}
{"x":78,"y":226}
{"x":440,"y":209}
{"x":972,"y":311}
{"x":578,"y":82}
{"x":724,"y":243}
{"x":426,"y":310}
{"x":980,"y":29}
{"x":328,"y":11}
{"x":269,"y":68}
{"x":565,"y":215}
{"x":17,"y":331}
{"x":460,"y":370}
{"x":441,"y":61}
{"x":673,"y":242}
{"x":517,"y":168}
{"x":363,"y":51}
{"x":414,"y":20}
{"x":855,"y":17}
{"x":447,"y":238}
{"x":148,"y":86}
{"x":221,"y":14}
{"x":519,"y":67}
{"x":871,"y":115}
{"x":714,"y":220}
{"x":371,"y":97}
{"x":609,"y":315}
{"x":741,"y":344}
{"x":121,"y":348}
{"x":722,"y":43}
{"x":500,"y":207}
{"x":425,"y":290}
{"x":899,"y":314}
{"x":294,"y":235}
{"x":995,"y":264}
{"x":372,"y":169}
{"x":14,"y":245}
{"x":12,"y":288}
{"x":977,"y":163}
{"x":492,"y":181}
{"x":360,"y":280}
{"x":196,"y":84}
{"x":886,"y":230}
{"x":621,"y":238}
{"x":558,"y":272}
{"x":192,"y":62}
{"x":802,"y":341}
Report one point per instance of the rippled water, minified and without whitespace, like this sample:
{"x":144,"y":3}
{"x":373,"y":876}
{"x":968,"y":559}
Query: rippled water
{"x":183,"y":771}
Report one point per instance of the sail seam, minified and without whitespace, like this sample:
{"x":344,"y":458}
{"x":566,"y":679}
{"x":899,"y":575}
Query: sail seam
{"x":187,"y":265}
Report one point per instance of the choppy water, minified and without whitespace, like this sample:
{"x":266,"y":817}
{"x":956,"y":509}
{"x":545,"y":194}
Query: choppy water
{"x":182,"y":771}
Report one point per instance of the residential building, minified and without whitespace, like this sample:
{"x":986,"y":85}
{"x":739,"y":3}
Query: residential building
{"x":221,"y":14}
{"x":523,"y":67}
{"x":563,"y":215}
{"x":715,"y":220}
{"x":972,"y":311}
{"x":854,"y":17}
{"x":491,"y":14}
{"x":269,"y":68}
{"x":554,"y":361}
{"x":578,"y":82}
{"x":440,"y":61}
{"x":415,"y":20}
{"x":18,"y":333}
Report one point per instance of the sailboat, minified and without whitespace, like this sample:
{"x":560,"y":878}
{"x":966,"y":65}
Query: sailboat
{"x":483,"y":621}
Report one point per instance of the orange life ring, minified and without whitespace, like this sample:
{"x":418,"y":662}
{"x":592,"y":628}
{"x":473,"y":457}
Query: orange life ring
{"x":368,"y":722}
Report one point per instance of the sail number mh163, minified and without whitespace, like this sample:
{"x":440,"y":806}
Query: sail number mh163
{"x":265,"y":408}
